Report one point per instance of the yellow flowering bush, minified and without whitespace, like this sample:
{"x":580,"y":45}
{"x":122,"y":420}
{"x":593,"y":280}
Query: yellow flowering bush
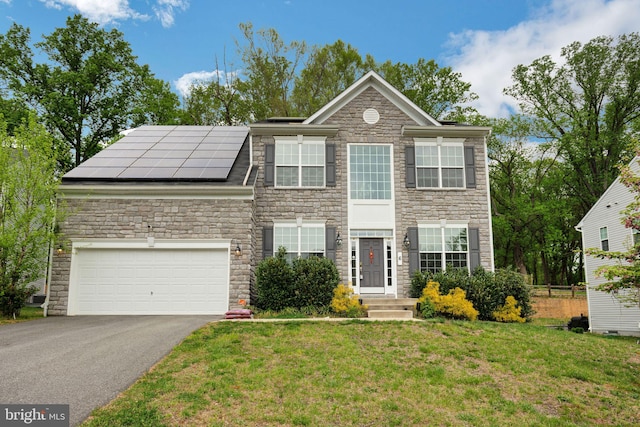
{"x":345,"y":303}
{"x":509,"y":312}
{"x":454,"y":304}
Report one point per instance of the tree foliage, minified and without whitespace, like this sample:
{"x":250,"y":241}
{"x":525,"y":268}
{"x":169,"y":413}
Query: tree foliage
{"x":27,"y":209}
{"x":439,"y":91}
{"x":89,"y":88}
{"x":586,"y":106}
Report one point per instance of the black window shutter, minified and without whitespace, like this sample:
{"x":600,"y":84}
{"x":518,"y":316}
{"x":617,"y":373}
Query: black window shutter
{"x":269,"y":164}
{"x":330,"y":163}
{"x":267,"y":242}
{"x":410,"y":166}
{"x":470,"y":167}
{"x":330,"y":243}
{"x":414,"y":250}
{"x":474,"y":248}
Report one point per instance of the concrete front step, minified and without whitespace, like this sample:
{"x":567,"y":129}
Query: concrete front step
{"x":390,"y":308}
{"x":390,"y":314}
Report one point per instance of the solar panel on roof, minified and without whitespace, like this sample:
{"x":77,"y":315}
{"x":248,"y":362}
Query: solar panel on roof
{"x":167,"y":152}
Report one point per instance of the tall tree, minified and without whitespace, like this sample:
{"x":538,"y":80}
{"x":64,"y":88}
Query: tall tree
{"x":586,"y":106}
{"x":217,"y":101}
{"x":27,"y":210}
{"x":89,"y":88}
{"x":439,"y":91}
{"x":270,"y":70}
{"x":327,"y":72}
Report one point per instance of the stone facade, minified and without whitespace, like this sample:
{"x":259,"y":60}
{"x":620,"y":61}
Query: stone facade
{"x":412,"y":205}
{"x":242,"y":217}
{"x":127,"y":218}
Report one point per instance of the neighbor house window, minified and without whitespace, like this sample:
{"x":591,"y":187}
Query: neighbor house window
{"x":604,"y":239}
{"x":300,"y":241}
{"x":370,"y":172}
{"x":636,"y":237}
{"x":440,"y":165}
{"x":300,"y":161}
{"x":442,"y":248}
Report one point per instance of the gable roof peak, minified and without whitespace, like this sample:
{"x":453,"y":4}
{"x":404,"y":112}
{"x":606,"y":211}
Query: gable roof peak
{"x":373,"y":79}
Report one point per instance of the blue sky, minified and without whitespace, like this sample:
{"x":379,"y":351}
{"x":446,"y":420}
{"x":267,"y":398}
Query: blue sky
{"x":482,"y":39}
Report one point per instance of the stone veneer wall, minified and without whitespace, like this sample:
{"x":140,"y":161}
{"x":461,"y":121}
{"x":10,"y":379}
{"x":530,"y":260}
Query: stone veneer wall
{"x":412,"y":205}
{"x":169,"y":219}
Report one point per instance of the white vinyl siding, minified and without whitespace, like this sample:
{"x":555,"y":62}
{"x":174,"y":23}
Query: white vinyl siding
{"x":606,"y":312}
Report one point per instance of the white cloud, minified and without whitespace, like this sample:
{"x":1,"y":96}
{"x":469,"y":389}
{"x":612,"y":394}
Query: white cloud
{"x":184,"y":83}
{"x":487,"y":58}
{"x":166,"y":9}
{"x":5,"y":1}
{"x":100,"y":11}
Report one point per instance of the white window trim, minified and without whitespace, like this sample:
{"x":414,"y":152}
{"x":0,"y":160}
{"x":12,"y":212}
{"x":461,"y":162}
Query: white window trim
{"x":391,"y":177}
{"x":606,"y":239}
{"x":300,"y":140}
{"x":299,"y":225}
{"x":442,"y":225}
{"x":439,"y":142}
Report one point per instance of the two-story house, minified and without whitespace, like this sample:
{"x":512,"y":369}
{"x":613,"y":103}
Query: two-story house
{"x":602,"y":228}
{"x":175,"y":219}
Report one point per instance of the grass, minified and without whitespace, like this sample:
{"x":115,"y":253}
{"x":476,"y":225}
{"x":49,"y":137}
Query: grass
{"x":26,"y":313}
{"x":361,"y":373}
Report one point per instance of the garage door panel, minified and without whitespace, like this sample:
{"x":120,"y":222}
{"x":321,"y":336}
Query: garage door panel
{"x":150,"y":281}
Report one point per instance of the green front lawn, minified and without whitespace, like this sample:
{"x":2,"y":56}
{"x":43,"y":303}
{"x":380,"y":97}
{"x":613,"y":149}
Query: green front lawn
{"x":26,"y":313}
{"x":361,"y":373}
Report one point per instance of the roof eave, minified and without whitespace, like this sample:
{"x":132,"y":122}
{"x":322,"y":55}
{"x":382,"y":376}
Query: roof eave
{"x":293,"y":129}
{"x":151,"y":191}
{"x":449,"y":131}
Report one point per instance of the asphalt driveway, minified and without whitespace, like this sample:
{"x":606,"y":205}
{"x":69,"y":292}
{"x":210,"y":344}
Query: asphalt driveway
{"x":84,"y":361}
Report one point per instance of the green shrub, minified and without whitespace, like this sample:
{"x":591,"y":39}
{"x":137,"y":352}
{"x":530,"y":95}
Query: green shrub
{"x":509,"y":282}
{"x":418,"y":282}
{"x":486,"y":290}
{"x":274,"y":282}
{"x":14,"y":297}
{"x":302,"y":284}
{"x":314,"y":281}
{"x":427,"y":309}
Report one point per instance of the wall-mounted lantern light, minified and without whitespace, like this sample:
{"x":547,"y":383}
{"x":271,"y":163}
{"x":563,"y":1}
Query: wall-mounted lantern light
{"x":338,"y":240}
{"x":238,"y":250}
{"x":60,"y":249}
{"x":406,"y":242}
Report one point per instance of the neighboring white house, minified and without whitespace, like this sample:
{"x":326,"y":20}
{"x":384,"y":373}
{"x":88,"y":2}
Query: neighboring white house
{"x":602,"y":228}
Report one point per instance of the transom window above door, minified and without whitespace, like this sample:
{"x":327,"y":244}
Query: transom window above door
{"x":300,"y":161}
{"x":370,"y":172}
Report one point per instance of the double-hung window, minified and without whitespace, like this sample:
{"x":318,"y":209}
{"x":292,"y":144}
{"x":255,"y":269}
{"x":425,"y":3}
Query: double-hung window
{"x":443,"y":247}
{"x":604,"y":238}
{"x":300,"y":161}
{"x":439,"y":164}
{"x":301,"y":241}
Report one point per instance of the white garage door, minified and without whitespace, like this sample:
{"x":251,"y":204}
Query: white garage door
{"x":149,"y":281}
